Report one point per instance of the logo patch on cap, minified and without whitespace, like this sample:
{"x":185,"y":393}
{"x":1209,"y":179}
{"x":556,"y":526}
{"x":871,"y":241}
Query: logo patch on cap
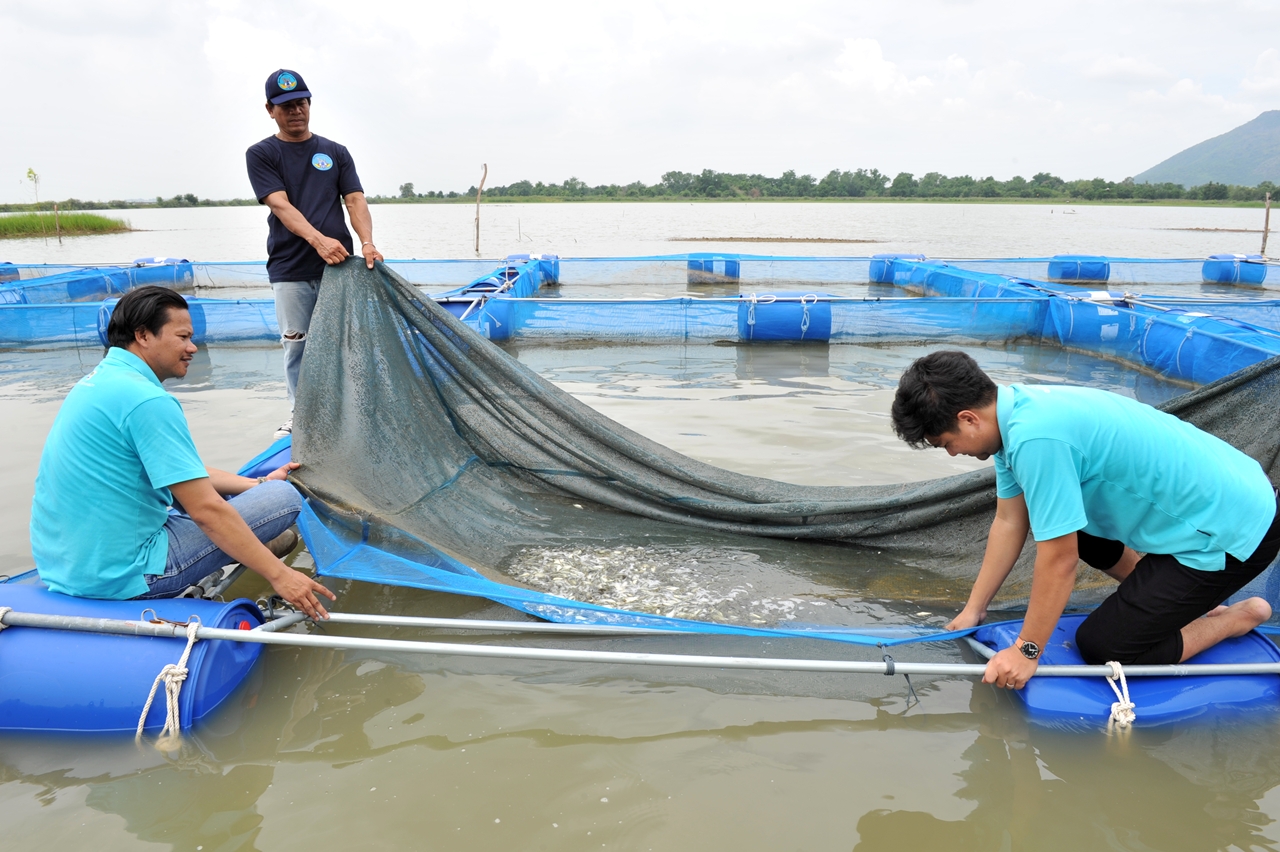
{"x":323,"y":162}
{"x":287,"y":82}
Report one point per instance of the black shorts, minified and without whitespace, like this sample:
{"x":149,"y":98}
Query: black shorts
{"x":1141,"y":623}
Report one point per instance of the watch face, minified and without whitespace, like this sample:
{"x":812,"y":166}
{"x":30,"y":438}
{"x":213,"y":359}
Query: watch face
{"x":1030,"y":650}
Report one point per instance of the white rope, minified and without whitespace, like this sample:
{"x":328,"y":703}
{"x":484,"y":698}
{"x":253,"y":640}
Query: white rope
{"x":1122,"y":715}
{"x":173,"y":675}
{"x":4,"y":610}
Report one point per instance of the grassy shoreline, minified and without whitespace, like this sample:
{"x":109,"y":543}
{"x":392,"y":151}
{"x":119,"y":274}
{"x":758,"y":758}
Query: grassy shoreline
{"x":676,"y":199}
{"x":1043,"y":202}
{"x":28,"y":225}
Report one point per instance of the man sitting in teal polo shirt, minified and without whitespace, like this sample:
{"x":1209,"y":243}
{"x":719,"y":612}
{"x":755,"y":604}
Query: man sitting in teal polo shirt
{"x":120,"y":454}
{"x":1095,"y":476}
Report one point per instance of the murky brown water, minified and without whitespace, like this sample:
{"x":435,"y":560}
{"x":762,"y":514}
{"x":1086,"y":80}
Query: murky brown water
{"x":334,"y":750}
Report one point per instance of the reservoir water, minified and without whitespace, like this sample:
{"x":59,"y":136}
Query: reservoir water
{"x":330,"y":750}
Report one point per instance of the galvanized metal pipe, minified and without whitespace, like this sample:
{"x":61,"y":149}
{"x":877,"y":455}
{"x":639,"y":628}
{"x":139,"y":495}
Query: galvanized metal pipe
{"x":261,"y":637}
{"x":497,"y":626}
{"x":282,"y":622}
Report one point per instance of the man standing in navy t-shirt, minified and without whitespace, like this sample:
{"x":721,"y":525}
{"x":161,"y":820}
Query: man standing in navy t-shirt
{"x":301,"y":177}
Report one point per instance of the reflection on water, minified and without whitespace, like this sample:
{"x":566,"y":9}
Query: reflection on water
{"x":326,"y":749}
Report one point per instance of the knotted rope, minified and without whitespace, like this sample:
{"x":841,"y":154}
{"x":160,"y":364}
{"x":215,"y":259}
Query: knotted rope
{"x":173,"y":675}
{"x":1122,"y":715}
{"x":4,"y":610}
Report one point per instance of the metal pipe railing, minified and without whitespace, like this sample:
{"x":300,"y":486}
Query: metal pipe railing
{"x":264,"y":636}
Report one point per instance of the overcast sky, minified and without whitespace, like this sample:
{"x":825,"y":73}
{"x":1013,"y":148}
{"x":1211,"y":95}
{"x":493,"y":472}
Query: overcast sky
{"x":138,"y":98}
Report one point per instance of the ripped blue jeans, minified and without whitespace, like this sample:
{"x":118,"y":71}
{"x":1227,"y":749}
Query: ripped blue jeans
{"x":295,"y":301}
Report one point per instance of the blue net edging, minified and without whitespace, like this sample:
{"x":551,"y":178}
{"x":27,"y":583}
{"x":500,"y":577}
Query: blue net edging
{"x":1194,"y":339}
{"x":93,"y":284}
{"x":1192,"y":346}
{"x":217,"y":321}
{"x":1249,"y":271}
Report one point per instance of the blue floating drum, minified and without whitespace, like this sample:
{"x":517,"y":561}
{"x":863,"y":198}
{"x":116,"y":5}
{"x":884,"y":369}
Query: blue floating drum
{"x":72,"y":681}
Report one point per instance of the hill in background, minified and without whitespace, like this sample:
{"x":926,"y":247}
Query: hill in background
{"x":1246,"y":156}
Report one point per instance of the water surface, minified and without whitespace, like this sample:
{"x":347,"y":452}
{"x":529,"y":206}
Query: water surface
{"x":328,"y":750}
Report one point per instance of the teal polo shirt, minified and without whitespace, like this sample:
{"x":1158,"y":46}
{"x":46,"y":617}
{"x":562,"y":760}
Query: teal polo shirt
{"x":1095,"y":461}
{"x":102,"y":491}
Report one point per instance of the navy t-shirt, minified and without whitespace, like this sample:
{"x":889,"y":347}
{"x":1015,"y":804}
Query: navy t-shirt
{"x":315,"y":174}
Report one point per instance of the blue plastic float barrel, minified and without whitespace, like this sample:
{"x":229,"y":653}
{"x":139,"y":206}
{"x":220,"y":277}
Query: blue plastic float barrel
{"x":1070,"y":701}
{"x":713,"y":269}
{"x":70,"y":681}
{"x":547,"y":265}
{"x":1079,"y":267}
{"x":784,"y":316}
{"x":881,"y":271}
{"x":1234,"y":269}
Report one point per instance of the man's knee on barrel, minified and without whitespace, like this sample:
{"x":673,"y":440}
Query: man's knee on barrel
{"x":1100,"y":643}
{"x":1093,"y":643}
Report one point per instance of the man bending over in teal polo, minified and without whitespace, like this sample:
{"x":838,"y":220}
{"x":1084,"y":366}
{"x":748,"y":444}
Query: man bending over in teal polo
{"x":120,"y":454}
{"x":1097,"y":477}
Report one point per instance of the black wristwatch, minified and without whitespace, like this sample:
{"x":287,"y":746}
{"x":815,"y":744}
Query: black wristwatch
{"x":1030,"y":650}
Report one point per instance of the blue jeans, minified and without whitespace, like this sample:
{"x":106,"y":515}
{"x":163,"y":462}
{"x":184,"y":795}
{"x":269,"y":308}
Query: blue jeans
{"x":269,"y":509}
{"x":295,"y":302}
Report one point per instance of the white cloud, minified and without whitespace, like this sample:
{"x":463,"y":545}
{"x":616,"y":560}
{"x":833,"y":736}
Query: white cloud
{"x":861,"y":65}
{"x":167,"y":93}
{"x":1127,"y":69}
{"x":1187,"y":93}
{"x":1266,"y":74}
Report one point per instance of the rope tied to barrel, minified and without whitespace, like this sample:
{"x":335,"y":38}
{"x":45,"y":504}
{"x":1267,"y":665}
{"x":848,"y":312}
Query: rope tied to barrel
{"x":1122,"y":711}
{"x":804,"y":312}
{"x":172,"y":676}
{"x":4,"y":610}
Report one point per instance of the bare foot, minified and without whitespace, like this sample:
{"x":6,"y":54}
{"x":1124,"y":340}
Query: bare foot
{"x":1257,"y":609}
{"x":1224,"y":622}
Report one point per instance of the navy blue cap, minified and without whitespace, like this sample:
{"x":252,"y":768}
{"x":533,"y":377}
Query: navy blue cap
{"x":285,"y":85}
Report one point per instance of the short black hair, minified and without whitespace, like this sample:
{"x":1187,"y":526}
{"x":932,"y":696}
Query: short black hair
{"x":146,"y":307}
{"x":933,"y":390}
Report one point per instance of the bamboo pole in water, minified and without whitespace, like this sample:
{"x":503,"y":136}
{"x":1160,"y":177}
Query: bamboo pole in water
{"x":483,"y":175}
{"x":57,"y":222}
{"x":1266,"y":226}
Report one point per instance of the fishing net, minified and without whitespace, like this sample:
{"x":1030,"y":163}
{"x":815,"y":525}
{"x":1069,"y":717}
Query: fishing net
{"x":433,"y":458}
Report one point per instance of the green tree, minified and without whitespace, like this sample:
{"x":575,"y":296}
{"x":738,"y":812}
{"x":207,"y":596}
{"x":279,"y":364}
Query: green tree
{"x":903,"y":185}
{"x":406,"y":190}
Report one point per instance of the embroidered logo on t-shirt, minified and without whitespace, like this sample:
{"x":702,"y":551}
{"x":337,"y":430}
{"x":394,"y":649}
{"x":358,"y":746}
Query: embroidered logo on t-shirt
{"x":323,"y":162}
{"x":287,"y":82}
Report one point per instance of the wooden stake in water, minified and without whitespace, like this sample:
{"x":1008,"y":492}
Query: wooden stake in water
{"x":483,"y":175}
{"x":1266,"y":226}
{"x":57,"y":223}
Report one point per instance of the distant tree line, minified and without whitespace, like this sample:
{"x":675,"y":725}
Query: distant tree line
{"x":188,"y":200}
{"x":861,"y":183}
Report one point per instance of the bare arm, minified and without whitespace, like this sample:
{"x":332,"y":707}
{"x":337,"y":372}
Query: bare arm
{"x":362,"y":224}
{"x":328,"y":248}
{"x":225,"y":528}
{"x":231,"y":484}
{"x":1051,"y":585}
{"x":1004,"y":544}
